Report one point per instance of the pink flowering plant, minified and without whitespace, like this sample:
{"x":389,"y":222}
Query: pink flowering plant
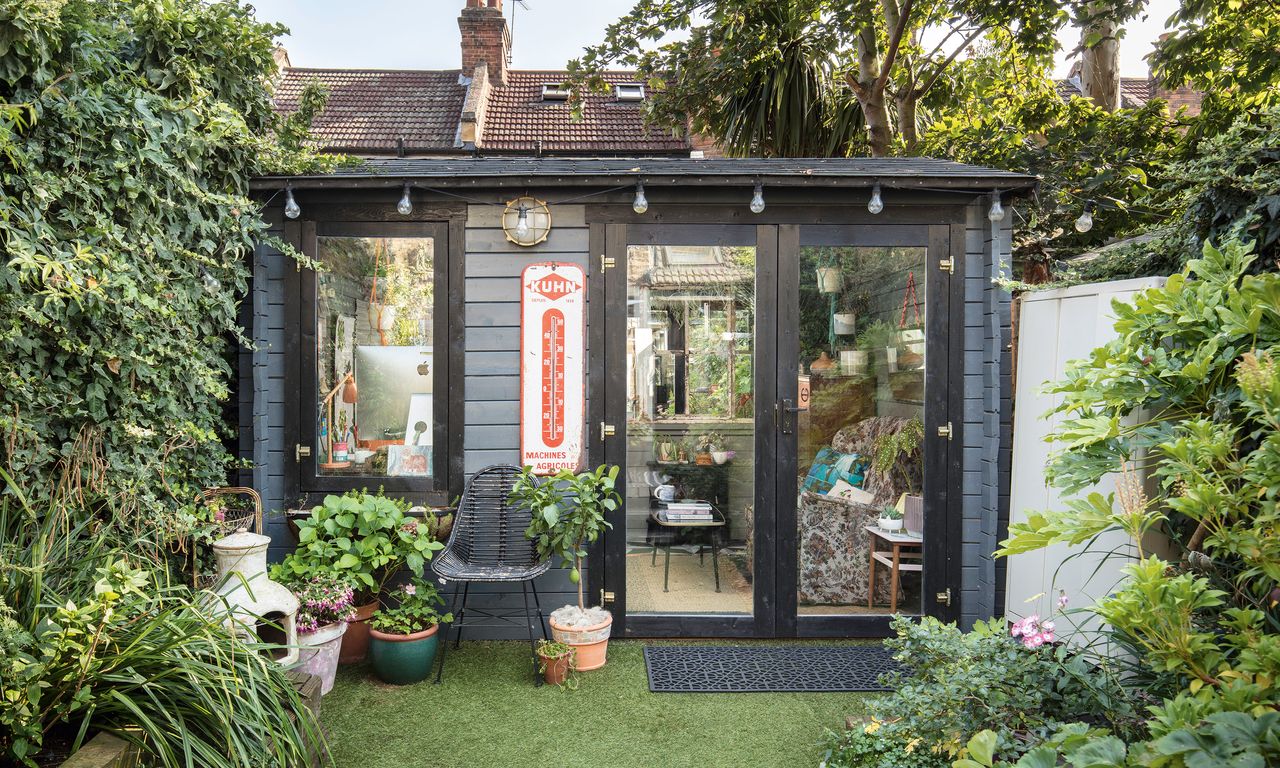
{"x":324,"y":599}
{"x":1034,"y":631}
{"x":417,"y":608}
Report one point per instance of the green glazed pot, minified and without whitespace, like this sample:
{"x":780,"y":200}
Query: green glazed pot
{"x":403,"y":659}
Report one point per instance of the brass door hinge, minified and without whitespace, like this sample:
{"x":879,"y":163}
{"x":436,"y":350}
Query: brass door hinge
{"x":607,"y":262}
{"x":300,"y":452}
{"x":948,"y":265}
{"x":944,"y":597}
{"x":945,"y":430}
{"x":606,"y":598}
{"x":607,"y":430}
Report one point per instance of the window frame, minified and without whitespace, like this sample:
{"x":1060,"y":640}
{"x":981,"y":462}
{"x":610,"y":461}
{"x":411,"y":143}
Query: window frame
{"x":446,"y":376}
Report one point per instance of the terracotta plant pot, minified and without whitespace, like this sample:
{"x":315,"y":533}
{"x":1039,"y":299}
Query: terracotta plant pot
{"x":704,"y":460}
{"x":555,"y":669}
{"x":319,"y":653}
{"x":404,"y":659}
{"x":590,"y":644}
{"x":355,"y":643}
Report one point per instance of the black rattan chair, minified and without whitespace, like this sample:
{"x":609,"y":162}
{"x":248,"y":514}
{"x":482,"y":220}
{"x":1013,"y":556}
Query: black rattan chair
{"x":488,"y":545}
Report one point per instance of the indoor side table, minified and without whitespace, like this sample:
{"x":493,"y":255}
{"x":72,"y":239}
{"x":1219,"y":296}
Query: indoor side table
{"x":681,"y":531}
{"x":904,"y":553}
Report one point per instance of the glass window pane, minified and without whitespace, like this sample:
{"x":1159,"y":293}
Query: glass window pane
{"x":690,"y":429}
{"x":374,"y":367}
{"x":859,"y":442}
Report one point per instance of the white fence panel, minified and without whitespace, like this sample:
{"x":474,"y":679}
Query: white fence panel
{"x":1054,"y":327}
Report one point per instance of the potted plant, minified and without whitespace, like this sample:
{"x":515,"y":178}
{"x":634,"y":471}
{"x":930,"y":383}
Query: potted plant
{"x":326,"y":604}
{"x":555,"y":661}
{"x":707,"y":445}
{"x":365,"y":539}
{"x":890,"y":519}
{"x":568,"y":513}
{"x":404,"y":639}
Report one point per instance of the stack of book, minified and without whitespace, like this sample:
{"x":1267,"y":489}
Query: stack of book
{"x":688,"y":511}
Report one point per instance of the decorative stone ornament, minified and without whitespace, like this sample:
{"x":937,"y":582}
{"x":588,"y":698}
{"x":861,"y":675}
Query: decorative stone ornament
{"x":250,"y":596}
{"x":526,"y":221}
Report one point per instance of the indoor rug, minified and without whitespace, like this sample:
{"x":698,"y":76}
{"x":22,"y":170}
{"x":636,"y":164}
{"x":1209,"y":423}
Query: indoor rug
{"x":766,"y":668}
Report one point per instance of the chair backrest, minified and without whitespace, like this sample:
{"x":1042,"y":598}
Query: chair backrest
{"x":487,"y":528}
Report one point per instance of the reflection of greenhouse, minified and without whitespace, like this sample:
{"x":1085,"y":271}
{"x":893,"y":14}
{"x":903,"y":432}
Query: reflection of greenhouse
{"x":690,"y":315}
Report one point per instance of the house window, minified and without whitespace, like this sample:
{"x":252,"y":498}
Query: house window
{"x":630,"y":92}
{"x":378,"y":410}
{"x":554,"y":92}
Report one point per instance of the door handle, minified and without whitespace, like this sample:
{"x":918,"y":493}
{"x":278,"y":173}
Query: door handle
{"x":787,"y":411}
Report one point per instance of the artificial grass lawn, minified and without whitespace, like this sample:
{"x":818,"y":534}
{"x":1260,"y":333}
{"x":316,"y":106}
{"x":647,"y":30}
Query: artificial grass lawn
{"x":487,"y":713}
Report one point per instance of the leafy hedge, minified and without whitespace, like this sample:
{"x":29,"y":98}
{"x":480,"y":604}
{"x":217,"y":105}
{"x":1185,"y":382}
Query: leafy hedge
{"x":129,"y":130}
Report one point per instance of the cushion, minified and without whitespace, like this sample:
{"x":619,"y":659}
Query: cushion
{"x":830,"y":466}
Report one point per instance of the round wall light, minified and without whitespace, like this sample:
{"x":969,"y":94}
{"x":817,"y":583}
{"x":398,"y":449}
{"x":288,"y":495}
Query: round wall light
{"x":526,"y":221}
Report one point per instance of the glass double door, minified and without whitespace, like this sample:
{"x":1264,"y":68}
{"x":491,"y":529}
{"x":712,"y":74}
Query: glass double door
{"x":768,"y":389}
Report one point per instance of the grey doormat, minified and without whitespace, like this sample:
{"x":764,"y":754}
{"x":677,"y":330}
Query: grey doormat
{"x":766,"y":668}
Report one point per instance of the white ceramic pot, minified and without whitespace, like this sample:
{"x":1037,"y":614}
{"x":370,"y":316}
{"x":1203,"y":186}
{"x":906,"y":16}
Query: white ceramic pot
{"x":846,"y":323}
{"x":719,"y":457}
{"x":854,"y":361}
{"x":318,"y":653}
{"x":890,"y":525}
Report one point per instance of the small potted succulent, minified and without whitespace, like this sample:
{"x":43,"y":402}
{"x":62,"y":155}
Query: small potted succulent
{"x":555,"y":661}
{"x":404,"y":639}
{"x":326,"y":604}
{"x":891,"y":519}
{"x":568,"y":513}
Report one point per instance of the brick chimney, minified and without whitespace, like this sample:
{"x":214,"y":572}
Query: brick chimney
{"x":485,"y":38}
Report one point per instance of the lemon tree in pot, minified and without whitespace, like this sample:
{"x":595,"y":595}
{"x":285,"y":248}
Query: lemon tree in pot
{"x":403,"y":640}
{"x":568,"y":514}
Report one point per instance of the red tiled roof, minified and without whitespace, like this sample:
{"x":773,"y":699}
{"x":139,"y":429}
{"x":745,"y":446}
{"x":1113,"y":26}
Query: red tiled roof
{"x":1134,"y":91}
{"x":518,"y":120}
{"x":373,"y":110}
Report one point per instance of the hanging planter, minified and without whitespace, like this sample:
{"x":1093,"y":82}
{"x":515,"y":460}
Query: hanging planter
{"x":829,"y":280}
{"x":846,"y":323}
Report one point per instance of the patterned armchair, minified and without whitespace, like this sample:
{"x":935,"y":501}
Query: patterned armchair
{"x":834,"y":545}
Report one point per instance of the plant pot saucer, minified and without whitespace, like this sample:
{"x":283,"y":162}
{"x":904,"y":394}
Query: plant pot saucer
{"x":335,"y":464}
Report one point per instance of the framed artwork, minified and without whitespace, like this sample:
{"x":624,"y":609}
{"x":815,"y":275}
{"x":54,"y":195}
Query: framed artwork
{"x":409,"y":460}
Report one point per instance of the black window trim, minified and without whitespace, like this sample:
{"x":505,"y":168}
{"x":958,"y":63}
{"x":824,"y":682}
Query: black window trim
{"x":300,"y":331}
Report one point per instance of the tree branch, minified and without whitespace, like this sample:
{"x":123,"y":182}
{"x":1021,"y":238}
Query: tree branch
{"x":904,"y":15}
{"x":922,"y":90}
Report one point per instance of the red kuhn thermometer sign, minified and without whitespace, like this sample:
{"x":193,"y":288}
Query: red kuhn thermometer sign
{"x":553,"y":302}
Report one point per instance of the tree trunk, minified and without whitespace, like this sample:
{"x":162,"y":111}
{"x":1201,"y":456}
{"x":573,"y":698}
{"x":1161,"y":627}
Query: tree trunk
{"x":577,"y":566}
{"x":907,"y":121}
{"x":871,"y":96}
{"x":1100,"y":62}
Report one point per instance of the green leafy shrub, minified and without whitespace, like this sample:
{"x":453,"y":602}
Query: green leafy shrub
{"x":1196,"y":360}
{"x":129,"y":132}
{"x":1230,"y":739}
{"x":872,"y":746}
{"x":954,"y":684}
{"x":94,"y":640}
{"x":361,"y":537}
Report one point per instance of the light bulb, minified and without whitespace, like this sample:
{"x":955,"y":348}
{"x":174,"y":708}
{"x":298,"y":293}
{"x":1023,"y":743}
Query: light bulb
{"x":405,"y":206}
{"x":875,"y":204}
{"x":291,"y":208}
{"x":757,"y":200}
{"x":1085,"y":222}
{"x":641,"y":203}
{"x":522,"y":223}
{"x":211,"y":283}
{"x":997,"y":210}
